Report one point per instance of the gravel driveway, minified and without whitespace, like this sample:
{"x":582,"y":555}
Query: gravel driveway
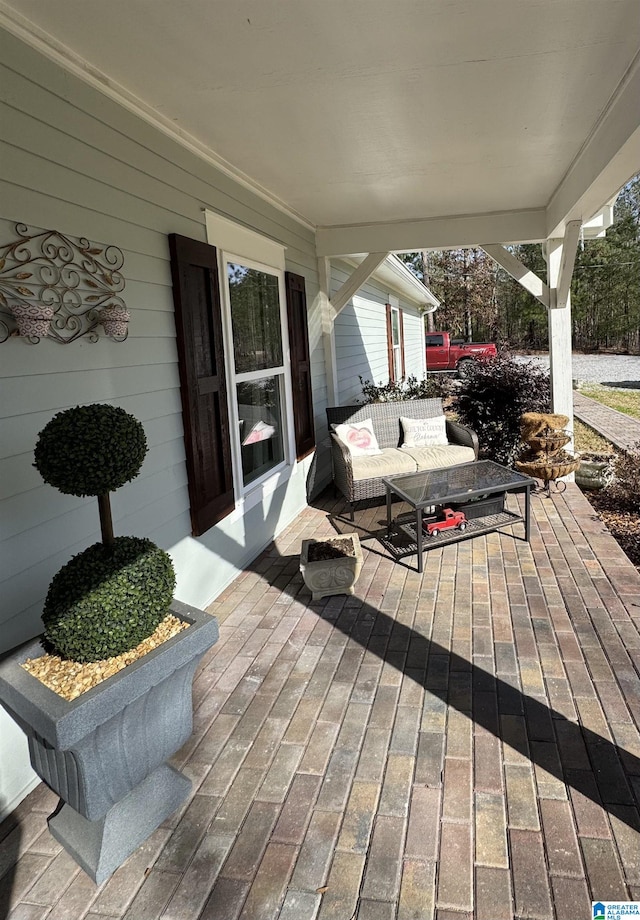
{"x":611,"y":370}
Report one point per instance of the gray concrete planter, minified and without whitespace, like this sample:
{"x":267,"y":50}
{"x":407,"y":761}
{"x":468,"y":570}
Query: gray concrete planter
{"x":105,"y":752}
{"x":595,"y":472}
{"x":324,"y":577}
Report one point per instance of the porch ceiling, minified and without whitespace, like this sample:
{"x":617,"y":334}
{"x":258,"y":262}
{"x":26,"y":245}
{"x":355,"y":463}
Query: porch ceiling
{"x":400,"y":122}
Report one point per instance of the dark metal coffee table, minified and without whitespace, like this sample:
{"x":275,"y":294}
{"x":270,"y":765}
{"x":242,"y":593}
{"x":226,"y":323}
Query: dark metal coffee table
{"x":478,"y":489}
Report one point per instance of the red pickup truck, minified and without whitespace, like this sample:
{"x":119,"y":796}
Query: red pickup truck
{"x":443,"y":355}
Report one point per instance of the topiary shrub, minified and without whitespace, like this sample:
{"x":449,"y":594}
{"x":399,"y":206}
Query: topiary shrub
{"x":492,"y":396}
{"x":113,"y":595}
{"x":107,"y":599}
{"x":90,"y":450}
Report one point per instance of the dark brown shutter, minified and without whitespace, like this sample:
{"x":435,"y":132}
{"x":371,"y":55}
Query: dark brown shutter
{"x":203,"y":388}
{"x":390,"y":344}
{"x":300,"y":364}
{"x":401,"y":318}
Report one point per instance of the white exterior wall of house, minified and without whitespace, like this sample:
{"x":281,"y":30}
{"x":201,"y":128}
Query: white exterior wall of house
{"x":73,"y":160}
{"x":361,"y":336}
{"x":415,"y":355}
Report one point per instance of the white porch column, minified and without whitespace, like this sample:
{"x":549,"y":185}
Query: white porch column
{"x":559,"y":318}
{"x":555,"y":296}
{"x":328,"y":333}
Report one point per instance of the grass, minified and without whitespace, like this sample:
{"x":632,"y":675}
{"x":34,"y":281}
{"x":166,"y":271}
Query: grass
{"x":627,"y":401}
{"x":586,"y":440}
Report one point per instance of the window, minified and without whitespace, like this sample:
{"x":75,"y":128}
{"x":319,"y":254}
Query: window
{"x":245,"y":377}
{"x":256,"y":326}
{"x":395,"y":343}
{"x":435,"y":340}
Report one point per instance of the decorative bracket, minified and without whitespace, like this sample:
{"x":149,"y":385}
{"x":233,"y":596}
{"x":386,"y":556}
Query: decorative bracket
{"x":63,"y":288}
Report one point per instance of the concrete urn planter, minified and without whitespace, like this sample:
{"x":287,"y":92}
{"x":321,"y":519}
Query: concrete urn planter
{"x":594,"y":472}
{"x":337,"y":575}
{"x":105,"y":752}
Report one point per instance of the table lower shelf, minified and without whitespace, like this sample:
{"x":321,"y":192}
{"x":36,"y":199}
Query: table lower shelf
{"x":402,"y":539}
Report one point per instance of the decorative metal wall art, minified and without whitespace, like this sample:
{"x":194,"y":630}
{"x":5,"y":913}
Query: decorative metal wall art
{"x":63,"y":288}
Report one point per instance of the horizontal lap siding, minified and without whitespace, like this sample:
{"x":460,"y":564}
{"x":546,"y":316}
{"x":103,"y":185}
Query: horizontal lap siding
{"x":414,"y":344}
{"x":75,"y":161}
{"x":361,"y":337}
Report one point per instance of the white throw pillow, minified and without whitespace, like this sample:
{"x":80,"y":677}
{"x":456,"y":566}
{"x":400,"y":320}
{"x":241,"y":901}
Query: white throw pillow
{"x":359,"y":438}
{"x":424,"y":432}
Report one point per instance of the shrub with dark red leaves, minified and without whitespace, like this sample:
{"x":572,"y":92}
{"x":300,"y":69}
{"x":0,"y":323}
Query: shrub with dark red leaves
{"x":493,"y":395}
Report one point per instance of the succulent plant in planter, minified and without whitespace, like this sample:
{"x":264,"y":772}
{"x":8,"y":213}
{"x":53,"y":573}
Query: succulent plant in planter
{"x":104,"y":752}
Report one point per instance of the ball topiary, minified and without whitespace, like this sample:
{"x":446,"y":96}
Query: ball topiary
{"x":107,"y":599}
{"x":90,"y":450}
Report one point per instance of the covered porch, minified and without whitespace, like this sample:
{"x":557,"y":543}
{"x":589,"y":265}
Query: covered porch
{"x":458,"y":744}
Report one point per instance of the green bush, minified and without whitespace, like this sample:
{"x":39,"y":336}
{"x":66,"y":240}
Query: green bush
{"x":407,"y":388}
{"x":492,"y":396}
{"x":90,"y":450}
{"x":625,"y":484}
{"x":107,"y":599}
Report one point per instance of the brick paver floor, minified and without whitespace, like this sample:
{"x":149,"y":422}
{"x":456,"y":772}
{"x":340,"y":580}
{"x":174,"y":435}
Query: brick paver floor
{"x":458,"y":744}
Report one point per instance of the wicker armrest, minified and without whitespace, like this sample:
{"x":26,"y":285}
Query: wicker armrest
{"x":342,"y":467}
{"x":460,"y":434}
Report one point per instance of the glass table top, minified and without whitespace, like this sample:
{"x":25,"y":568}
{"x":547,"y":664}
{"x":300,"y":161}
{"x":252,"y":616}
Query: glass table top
{"x":456,"y":483}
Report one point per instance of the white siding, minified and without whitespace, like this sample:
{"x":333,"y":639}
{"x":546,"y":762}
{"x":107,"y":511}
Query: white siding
{"x":414,"y":348}
{"x":361,"y":337}
{"x":75,"y":161}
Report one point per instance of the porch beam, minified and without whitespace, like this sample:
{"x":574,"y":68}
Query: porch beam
{"x":567,"y":262}
{"x":453,"y":232}
{"x":359,"y":277}
{"x":523,"y":275}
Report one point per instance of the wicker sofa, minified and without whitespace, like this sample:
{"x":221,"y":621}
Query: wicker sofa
{"x":359,"y":478}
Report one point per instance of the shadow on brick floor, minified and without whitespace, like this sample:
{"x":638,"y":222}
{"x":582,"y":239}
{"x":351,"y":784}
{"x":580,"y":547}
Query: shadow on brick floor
{"x":585,"y":761}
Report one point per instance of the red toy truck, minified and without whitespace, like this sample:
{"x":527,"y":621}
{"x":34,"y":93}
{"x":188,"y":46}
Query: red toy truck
{"x":450,"y":518}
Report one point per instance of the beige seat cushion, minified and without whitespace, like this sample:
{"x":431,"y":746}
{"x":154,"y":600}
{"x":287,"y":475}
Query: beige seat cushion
{"x":432,"y":458}
{"x":390,"y":461}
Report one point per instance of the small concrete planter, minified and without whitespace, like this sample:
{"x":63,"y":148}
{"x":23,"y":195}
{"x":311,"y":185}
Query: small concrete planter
{"x":324,"y":577}
{"x":105,"y":752}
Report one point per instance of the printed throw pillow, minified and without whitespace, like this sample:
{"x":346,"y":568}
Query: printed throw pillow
{"x":424,"y":432}
{"x":359,"y":438}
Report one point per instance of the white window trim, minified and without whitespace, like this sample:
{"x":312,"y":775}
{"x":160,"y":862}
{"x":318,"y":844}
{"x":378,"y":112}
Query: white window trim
{"x":247,"y":244}
{"x":252,"y":493}
{"x":396,"y":349}
{"x":241,"y":244}
{"x":258,"y":484}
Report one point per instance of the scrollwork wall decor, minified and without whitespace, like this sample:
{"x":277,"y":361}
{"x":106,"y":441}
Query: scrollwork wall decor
{"x":60,"y":287}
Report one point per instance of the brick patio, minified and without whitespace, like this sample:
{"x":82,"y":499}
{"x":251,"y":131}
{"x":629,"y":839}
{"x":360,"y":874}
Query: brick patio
{"x":458,"y":744}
